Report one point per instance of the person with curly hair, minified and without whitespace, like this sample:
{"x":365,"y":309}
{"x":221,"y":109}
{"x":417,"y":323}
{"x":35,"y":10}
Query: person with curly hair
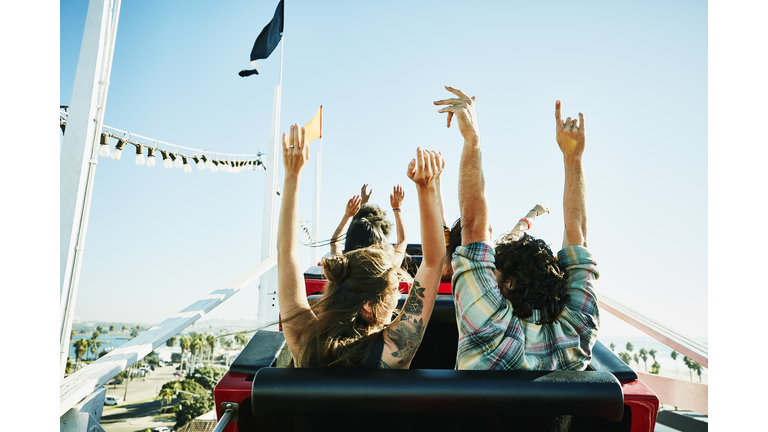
{"x":453,"y":236}
{"x":517,"y":305}
{"x":352,"y":325}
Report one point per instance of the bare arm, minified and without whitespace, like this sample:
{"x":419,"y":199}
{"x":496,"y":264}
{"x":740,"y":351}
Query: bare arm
{"x":290,"y":281}
{"x":365,"y":196}
{"x":525,"y":223}
{"x":396,"y":201}
{"x":570,"y":138}
{"x":404,"y":334}
{"x":472,"y":201}
{"x":440,"y":203}
{"x":353,"y":206}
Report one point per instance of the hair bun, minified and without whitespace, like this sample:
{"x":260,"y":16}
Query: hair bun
{"x":335,"y":268}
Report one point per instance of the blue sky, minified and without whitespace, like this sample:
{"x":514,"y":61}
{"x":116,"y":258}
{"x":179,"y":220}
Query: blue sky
{"x":160,"y":239}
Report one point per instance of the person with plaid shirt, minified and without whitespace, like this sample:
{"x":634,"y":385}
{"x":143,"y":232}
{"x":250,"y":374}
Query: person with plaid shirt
{"x":517,"y":305}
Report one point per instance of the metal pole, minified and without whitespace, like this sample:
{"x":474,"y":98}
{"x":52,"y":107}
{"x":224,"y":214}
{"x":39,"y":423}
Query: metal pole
{"x":316,"y":206}
{"x":79,"y":153}
{"x":267,"y":308}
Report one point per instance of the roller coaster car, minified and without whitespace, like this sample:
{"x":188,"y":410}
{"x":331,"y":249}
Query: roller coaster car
{"x":431,"y":395}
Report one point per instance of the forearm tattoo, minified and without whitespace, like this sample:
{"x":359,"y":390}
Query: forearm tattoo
{"x":407,"y":335}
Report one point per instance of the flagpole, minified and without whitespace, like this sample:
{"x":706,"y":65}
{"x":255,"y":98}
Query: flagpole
{"x":316,"y":206}
{"x":267,"y":305}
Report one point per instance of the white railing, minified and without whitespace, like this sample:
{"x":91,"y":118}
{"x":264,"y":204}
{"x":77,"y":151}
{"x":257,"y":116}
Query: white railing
{"x":79,"y":385}
{"x":679,"y":393}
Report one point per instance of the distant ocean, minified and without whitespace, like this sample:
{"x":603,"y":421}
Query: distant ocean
{"x":109,"y":341}
{"x":662,"y":352}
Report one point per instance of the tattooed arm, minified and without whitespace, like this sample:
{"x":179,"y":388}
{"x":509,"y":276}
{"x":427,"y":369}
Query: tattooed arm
{"x":403,"y":336}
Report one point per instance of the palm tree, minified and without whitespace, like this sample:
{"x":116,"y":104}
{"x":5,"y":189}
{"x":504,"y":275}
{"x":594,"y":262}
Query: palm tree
{"x":123,"y":328}
{"x":689,"y":364}
{"x":637,"y":360}
{"x":655,"y":367}
{"x":644,"y":356}
{"x":100,"y":329}
{"x":211,"y":340}
{"x":184,"y":345}
{"x":652,"y":353}
{"x":624,"y":356}
{"x":613,"y":346}
{"x":81,"y":347}
{"x":698,"y":370}
{"x":170,"y":343}
{"x":166,"y":395}
{"x":194,"y":347}
{"x":94,"y":349}
{"x":112,"y":328}
{"x":673,"y":354}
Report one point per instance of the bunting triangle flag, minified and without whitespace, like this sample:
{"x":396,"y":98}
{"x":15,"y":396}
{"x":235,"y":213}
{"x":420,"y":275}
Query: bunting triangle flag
{"x":314,"y":129}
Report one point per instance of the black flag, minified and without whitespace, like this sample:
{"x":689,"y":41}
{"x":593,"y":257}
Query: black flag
{"x":267,"y":41}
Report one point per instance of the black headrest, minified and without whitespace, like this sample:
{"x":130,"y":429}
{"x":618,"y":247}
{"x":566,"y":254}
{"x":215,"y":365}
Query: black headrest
{"x":328,"y":390}
{"x":261,"y":351}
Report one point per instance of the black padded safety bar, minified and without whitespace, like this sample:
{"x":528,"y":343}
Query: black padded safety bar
{"x":261,"y":351}
{"x":589,"y":393}
{"x":603,"y":359}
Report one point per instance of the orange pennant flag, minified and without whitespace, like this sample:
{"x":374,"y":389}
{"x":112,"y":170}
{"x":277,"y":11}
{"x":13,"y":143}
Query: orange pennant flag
{"x":314,"y":129}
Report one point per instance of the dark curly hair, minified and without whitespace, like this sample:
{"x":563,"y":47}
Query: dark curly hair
{"x":368,"y":227}
{"x":539,"y":283}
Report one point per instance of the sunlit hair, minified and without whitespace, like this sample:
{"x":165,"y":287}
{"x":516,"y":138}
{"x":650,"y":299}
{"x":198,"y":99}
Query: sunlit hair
{"x":538,"y":281}
{"x":368,"y":227}
{"x":342,"y":336}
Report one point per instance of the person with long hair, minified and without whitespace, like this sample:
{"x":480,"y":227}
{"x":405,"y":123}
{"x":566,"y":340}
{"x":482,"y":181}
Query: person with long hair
{"x":518,"y":306}
{"x":352,"y":324}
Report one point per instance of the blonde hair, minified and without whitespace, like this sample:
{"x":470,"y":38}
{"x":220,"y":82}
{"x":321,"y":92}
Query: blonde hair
{"x":342,"y":336}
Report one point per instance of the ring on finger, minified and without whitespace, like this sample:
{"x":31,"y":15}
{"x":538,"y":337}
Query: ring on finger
{"x":291,"y":146}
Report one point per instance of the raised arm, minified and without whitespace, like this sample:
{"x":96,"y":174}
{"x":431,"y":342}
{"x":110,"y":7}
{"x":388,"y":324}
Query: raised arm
{"x":472,"y":201}
{"x":353,"y":206}
{"x":290,"y":278}
{"x":440,"y":202}
{"x":365,"y":196}
{"x":396,"y":201}
{"x":403,"y":335}
{"x":525,"y":223}
{"x":570,"y":138}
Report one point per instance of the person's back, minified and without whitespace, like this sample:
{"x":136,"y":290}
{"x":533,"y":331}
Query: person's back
{"x":517,"y":306}
{"x":354,"y":317}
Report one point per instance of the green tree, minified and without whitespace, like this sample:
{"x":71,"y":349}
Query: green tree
{"x":81,"y":347}
{"x":613,"y":347}
{"x":689,"y":364}
{"x":629,"y":347}
{"x":195,"y":347}
{"x":95,"y":335}
{"x":170,"y":343}
{"x":68,"y":369}
{"x":123,"y":328}
{"x":208,"y":376}
{"x":698,"y":371}
{"x":112,"y":328}
{"x":655,"y":367}
{"x":99,"y":329}
{"x":673,"y":354}
{"x":166,"y":395}
{"x":644,"y":356}
{"x":637,"y":360}
{"x":211,"y":341}
{"x":71,"y":335}
{"x":184,"y":342}
{"x":191,"y":409}
{"x":652,"y":353}
{"x":625,"y":357}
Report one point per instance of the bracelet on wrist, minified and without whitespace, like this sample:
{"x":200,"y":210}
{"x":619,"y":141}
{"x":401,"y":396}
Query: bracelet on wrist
{"x":396,"y":209}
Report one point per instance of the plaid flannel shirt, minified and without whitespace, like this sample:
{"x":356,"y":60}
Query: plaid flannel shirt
{"x":490,"y":337}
